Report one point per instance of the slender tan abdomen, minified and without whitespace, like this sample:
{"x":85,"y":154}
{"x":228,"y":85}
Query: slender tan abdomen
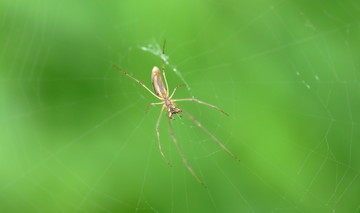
{"x":157,"y":83}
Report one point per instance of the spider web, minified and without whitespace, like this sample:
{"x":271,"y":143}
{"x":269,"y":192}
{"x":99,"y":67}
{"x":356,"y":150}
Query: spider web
{"x":75,"y":136}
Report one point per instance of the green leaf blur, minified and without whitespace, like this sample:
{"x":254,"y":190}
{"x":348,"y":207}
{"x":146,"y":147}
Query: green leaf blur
{"x":74,"y":135}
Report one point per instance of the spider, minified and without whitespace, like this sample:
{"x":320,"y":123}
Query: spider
{"x":168,"y":104}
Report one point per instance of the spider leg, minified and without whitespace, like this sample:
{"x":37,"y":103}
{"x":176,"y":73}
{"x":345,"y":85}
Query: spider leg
{"x":186,"y":162}
{"x":201,"y":102}
{"x":158,"y":137}
{"x":163,"y":65}
{"x":143,"y":85}
{"x":151,"y":104}
{"x":172,"y":94}
{"x":212,"y":136}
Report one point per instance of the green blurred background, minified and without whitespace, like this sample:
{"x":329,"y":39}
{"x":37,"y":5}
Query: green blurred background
{"x":74,"y":135}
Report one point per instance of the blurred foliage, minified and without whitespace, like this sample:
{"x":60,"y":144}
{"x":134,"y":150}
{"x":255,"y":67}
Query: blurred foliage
{"x":75,"y":136}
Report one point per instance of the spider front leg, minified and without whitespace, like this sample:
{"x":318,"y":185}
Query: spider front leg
{"x":221,"y":145}
{"x":183,"y":157}
{"x":158,"y":137}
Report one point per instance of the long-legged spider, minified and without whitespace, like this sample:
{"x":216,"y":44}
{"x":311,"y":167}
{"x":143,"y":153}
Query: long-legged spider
{"x":162,"y":93}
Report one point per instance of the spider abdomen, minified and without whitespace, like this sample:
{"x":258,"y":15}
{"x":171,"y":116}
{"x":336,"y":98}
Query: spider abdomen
{"x":158,"y":84}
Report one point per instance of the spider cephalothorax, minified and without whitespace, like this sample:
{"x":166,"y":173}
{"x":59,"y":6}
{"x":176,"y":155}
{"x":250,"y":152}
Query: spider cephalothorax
{"x":173,"y":110}
{"x":170,"y":106}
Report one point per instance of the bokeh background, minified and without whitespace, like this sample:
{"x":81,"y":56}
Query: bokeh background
{"x":74,"y":135}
